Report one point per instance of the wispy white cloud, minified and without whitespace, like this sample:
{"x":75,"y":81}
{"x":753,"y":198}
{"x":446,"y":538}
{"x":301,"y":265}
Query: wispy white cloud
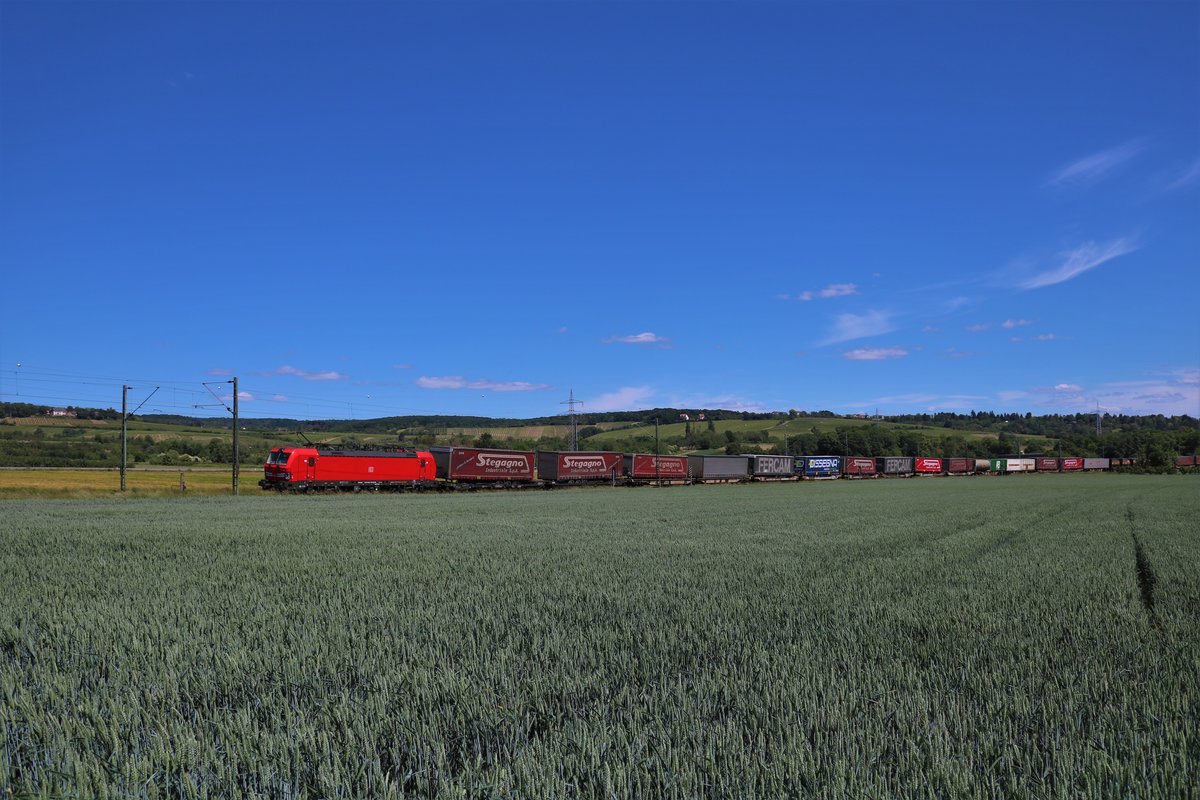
{"x":1047,"y":337}
{"x":847,"y":327}
{"x":401,"y":366}
{"x":459,"y":382}
{"x":979,"y":326}
{"x":1187,"y":377}
{"x":1189,"y":176}
{"x":874,"y":353}
{"x":956,"y":354}
{"x":627,"y":398}
{"x":1095,"y":166}
{"x":220,"y":372}
{"x":286,"y":369}
{"x":1174,"y":393}
{"x":279,"y":398}
{"x":1087,"y":256}
{"x":1009,"y":324}
{"x":931,"y":329}
{"x":931,"y":402}
{"x":638,"y":338}
{"x":832,"y":290}
{"x":1061,"y":395}
{"x":727,"y":402}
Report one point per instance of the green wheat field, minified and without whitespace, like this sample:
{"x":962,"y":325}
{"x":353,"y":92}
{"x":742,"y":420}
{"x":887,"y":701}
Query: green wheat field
{"x":1019,"y":636}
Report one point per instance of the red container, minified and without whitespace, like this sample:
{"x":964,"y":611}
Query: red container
{"x":960,"y":466}
{"x":1186,"y":461}
{"x":669,"y":468}
{"x":1047,"y":465}
{"x":1072,"y":464}
{"x":471,"y":464}
{"x":567,"y":466}
{"x":857,"y":465}
{"x":928,"y":466}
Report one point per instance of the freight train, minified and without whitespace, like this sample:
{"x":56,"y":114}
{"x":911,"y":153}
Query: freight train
{"x":306,"y":469}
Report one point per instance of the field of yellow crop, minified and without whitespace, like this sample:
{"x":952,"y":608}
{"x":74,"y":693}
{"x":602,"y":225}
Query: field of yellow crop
{"x":15,"y":483}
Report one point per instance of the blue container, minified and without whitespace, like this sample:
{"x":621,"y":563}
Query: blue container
{"x":821,"y":466}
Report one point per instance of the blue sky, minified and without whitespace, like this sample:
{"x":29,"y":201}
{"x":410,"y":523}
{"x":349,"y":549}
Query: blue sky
{"x":367,"y":209}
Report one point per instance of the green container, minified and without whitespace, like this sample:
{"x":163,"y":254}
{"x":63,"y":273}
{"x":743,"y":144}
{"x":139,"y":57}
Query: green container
{"x":999,"y":464}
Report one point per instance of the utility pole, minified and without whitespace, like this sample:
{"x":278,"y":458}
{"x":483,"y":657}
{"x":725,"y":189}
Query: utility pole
{"x":657,"y":476}
{"x":124,"y":433}
{"x":236,"y":458}
{"x":125,"y":427}
{"x":234,"y":411}
{"x":570,"y":403}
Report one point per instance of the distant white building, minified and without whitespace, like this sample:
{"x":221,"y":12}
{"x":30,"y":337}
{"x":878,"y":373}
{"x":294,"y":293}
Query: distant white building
{"x":60,"y":412}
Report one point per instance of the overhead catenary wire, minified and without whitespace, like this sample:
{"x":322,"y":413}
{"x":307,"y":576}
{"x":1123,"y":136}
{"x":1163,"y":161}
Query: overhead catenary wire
{"x":57,"y":387}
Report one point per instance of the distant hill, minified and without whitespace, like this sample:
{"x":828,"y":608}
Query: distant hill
{"x":31,"y":436}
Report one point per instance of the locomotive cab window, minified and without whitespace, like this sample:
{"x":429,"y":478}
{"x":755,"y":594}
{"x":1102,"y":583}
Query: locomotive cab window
{"x":278,"y":457}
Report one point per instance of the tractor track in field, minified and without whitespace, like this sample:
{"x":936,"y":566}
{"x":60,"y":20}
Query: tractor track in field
{"x":1143,"y":571}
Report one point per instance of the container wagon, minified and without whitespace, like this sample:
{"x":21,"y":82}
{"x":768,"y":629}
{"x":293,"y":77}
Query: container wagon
{"x":1096,"y":463}
{"x":479,"y":466}
{"x":860,"y":467}
{"x":960,"y":466}
{"x":894,"y":466}
{"x":1047,"y":465}
{"x":820,"y":467}
{"x":718,"y":469}
{"x":1185,"y":462}
{"x":1071,"y":464}
{"x":572,"y":467}
{"x":928,"y":466}
{"x":641,"y":468}
{"x":1006,"y":465}
{"x":767,"y":468}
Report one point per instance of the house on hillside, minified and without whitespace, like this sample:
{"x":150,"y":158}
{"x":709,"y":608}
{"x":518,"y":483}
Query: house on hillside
{"x":60,"y":412}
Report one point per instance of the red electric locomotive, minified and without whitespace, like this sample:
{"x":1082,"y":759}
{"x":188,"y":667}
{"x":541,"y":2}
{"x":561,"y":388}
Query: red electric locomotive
{"x":307,"y":468}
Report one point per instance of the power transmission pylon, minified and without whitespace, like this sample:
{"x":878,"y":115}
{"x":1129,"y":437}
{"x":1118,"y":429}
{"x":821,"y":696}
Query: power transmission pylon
{"x":570,"y":403}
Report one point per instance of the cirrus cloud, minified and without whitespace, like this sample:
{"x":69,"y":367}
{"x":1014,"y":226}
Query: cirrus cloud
{"x":638,"y":338}
{"x":459,"y":382}
{"x":1095,"y":166}
{"x":847,"y":327}
{"x":832,"y":290}
{"x":1087,"y":256}
{"x":874,"y":353}
{"x":627,"y":398}
{"x":287,"y":369}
